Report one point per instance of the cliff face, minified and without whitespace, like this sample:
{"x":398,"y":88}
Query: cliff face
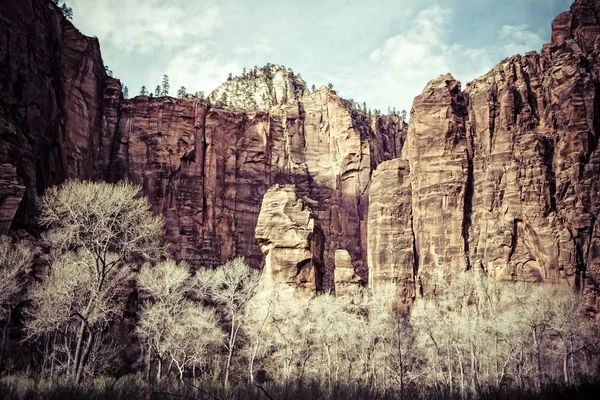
{"x":505,"y":176}
{"x":208,"y":169}
{"x":51,"y":85}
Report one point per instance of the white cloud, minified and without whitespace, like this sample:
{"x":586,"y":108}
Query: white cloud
{"x":198,"y":67}
{"x":146,"y":25}
{"x":402,"y":66}
{"x":518,"y":39}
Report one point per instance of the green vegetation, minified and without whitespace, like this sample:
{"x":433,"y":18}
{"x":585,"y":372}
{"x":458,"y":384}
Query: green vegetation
{"x":165,"y":86}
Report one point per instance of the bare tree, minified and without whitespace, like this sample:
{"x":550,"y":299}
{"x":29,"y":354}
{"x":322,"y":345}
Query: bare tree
{"x":231,"y":286}
{"x":97,"y":233}
{"x":170,"y":323}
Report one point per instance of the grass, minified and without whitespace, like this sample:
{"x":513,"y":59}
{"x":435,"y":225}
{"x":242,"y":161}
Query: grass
{"x":18,"y":387}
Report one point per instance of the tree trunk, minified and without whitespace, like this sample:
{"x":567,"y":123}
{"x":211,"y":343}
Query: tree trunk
{"x":84,"y":357}
{"x":566,"y":364}
{"x":78,"y":347}
{"x":4,"y":338}
{"x":159,"y":370}
{"x":538,"y":360}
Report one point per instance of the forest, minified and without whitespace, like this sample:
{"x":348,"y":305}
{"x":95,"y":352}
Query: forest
{"x":95,"y":308}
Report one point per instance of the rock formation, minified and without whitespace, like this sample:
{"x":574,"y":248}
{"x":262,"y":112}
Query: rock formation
{"x":51,"y":86}
{"x":503,"y":176}
{"x":391,"y":241}
{"x":291,"y":241}
{"x":206,"y":168}
{"x":260,"y":89}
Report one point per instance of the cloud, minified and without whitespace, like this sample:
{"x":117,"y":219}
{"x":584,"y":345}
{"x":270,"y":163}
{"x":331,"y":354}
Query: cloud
{"x":198,"y":67}
{"x":518,"y":39}
{"x":254,"y":49}
{"x":146,"y":25}
{"x":402,"y":66}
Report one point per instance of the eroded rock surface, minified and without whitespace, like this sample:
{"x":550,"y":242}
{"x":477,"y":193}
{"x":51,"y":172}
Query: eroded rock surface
{"x":391,"y":255}
{"x":503,"y":176}
{"x":207,"y":169}
{"x":51,"y":86}
{"x":506,"y":175}
{"x":291,"y":241}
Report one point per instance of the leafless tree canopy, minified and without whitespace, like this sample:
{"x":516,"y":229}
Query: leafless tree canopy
{"x":98,"y":235}
{"x":103,"y":252}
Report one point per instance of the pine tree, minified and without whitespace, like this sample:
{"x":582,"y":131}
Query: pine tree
{"x":144,"y":91}
{"x":230,"y":77}
{"x":165,"y":86}
{"x":313,"y":87}
{"x":181,"y":92}
{"x":157,"y":91}
{"x":67,"y":11}
{"x":108,"y":71}
{"x":403,"y":115}
{"x":125,"y":92}
{"x":199,"y":95}
{"x":330,"y":85}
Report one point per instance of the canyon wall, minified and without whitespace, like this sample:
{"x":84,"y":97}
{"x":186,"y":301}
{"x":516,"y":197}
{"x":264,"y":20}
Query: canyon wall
{"x":51,"y":88}
{"x":503,"y":176}
{"x":206,"y":168}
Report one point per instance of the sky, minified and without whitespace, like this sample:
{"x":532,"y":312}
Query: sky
{"x":382,"y":52}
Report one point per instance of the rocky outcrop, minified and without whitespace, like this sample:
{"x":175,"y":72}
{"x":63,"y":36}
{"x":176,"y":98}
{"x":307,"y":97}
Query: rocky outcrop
{"x":51,"y":84}
{"x":391,"y":243}
{"x":506,"y":175}
{"x":291,"y":241}
{"x":259,"y":89}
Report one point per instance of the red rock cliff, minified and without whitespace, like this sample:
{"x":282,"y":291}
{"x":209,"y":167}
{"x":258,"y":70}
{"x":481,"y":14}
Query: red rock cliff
{"x":51,"y":89}
{"x":505,"y":175}
{"x":207,"y":169}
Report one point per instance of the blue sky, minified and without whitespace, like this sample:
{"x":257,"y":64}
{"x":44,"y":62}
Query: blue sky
{"x":382,"y":52}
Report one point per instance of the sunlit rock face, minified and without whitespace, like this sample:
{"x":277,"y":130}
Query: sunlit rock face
{"x":207,"y":170}
{"x":505,"y":175}
{"x":291,"y":241}
{"x":390,"y":237}
{"x":260,"y":89}
{"x":502,"y":175}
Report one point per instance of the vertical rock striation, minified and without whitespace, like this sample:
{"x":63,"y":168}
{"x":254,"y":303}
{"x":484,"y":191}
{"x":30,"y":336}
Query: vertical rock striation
{"x":391,"y":243}
{"x":51,"y":87}
{"x":291,"y":241}
{"x":506,"y":175}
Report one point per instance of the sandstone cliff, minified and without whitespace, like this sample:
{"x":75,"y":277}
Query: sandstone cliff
{"x":207,"y":170}
{"x":505,"y":175}
{"x":502,"y":176}
{"x":205,"y":167}
{"x":51,"y":88}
